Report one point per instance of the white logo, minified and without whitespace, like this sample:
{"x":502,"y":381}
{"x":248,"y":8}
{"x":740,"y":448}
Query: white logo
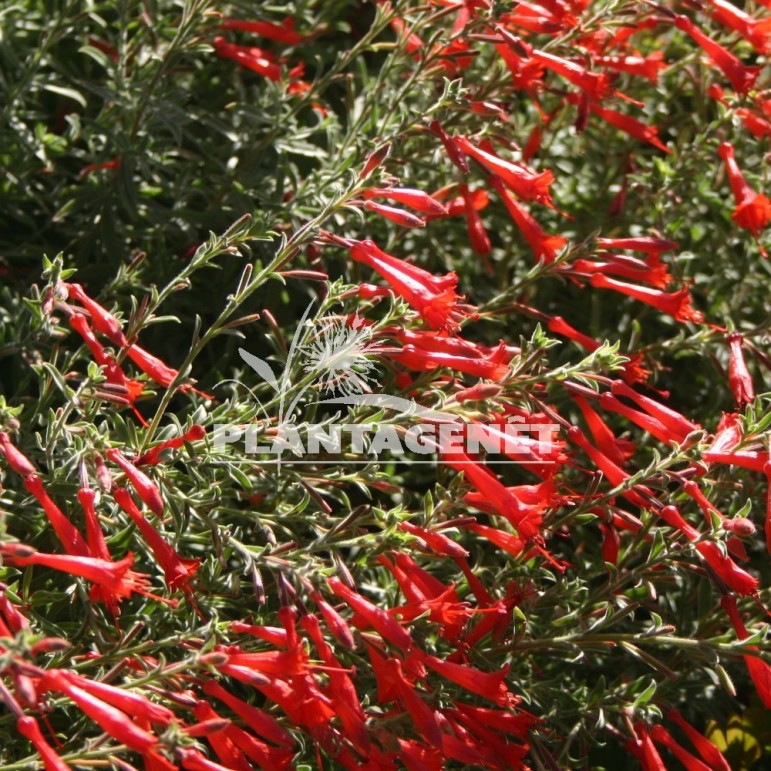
{"x":337,"y":360}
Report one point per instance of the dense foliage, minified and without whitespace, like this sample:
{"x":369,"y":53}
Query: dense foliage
{"x":510,"y":213}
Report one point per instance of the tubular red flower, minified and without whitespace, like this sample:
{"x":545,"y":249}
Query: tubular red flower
{"x":742,"y":78}
{"x":690,"y":762}
{"x":146,"y":489}
{"x":617,"y":450}
{"x":280,"y":33}
{"x":478,"y":236}
{"x":336,"y":624}
{"x":648,"y":67}
{"x":510,"y":543}
{"x":399,"y":216}
{"x":649,"y":756}
{"x":522,"y":181}
{"x":489,"y":685}
{"x":132,"y":389}
{"x":629,"y":125}
{"x":753,"y":210}
{"x":155,"y":369}
{"x":432,"y":296}
{"x":253,"y":58}
{"x":193,"y":760}
{"x":647,"y":244}
{"x":419,"y":359}
{"x":453,"y":152}
{"x":17,"y":460}
{"x":227,"y":752}
{"x":439,"y":542}
{"x":739,"y":378}
{"x":127,"y":701}
{"x":595,"y":85}
{"x":708,"y":751}
{"x":260,"y":722}
{"x":341,"y":689}
{"x":97,"y":545}
{"x":518,"y":725}
{"x":29,"y":728}
{"x":415,"y":199}
{"x":177,"y":570}
{"x":544,"y":246}
{"x":102,"y":320}
{"x":109,"y":718}
{"x":614,"y":474}
{"x":648,"y":423}
{"x":654,"y":274}
{"x":15,"y":619}
{"x":734,"y":577}
{"x":424,"y":718}
{"x":117,"y":577}
{"x":387,"y":627}
{"x":153,"y":455}
{"x":755,"y":31}
{"x":676,"y":304}
{"x":70,"y":537}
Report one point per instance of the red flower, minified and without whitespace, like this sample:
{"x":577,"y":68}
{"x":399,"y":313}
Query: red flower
{"x":113,"y":373}
{"x":708,"y":751}
{"x":544,"y":246}
{"x":653,"y":272}
{"x":146,"y":489}
{"x":336,"y":624}
{"x":478,"y":236}
{"x":647,"y":67}
{"x":97,"y":546}
{"x":128,"y":701}
{"x":617,"y":450}
{"x":177,"y":570}
{"x":434,"y":297}
{"x":28,"y":728}
{"x":281,"y":33}
{"x":253,"y":58}
{"x":453,"y":152}
{"x":399,"y":216}
{"x":424,"y":718}
{"x":753,"y":210}
{"x":17,"y":460}
{"x":648,"y":755}
{"x":259,"y":721}
{"x":510,"y":543}
{"x":111,"y":719}
{"x":153,"y":455}
{"x":103,"y":321}
{"x":439,"y":542}
{"x":415,"y":199}
{"x":155,"y":369}
{"x":341,"y":689}
{"x":116,"y":577}
{"x":522,"y":181}
{"x":629,"y":125}
{"x":70,"y":537}
{"x":739,"y":378}
{"x":646,"y":244}
{"x":760,"y":672}
{"x":526,"y":520}
{"x":676,"y":304}
{"x":742,"y":78}
{"x":755,"y":31}
{"x":690,"y":762}
{"x":387,"y":627}
{"x":420,"y":359}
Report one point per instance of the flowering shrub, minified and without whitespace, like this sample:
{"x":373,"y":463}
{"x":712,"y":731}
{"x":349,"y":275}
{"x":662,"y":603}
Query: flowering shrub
{"x":532,"y":239}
